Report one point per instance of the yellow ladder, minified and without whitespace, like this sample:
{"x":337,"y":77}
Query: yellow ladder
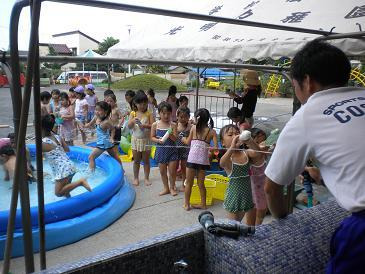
{"x":273,"y":85}
{"x":357,"y":76}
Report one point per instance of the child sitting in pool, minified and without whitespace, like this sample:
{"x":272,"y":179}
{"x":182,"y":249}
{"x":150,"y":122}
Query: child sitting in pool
{"x":7,"y":158}
{"x":63,"y":169}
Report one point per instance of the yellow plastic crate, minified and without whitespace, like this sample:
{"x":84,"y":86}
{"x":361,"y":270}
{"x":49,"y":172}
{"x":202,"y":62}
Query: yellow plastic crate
{"x":126,"y":158}
{"x":195,"y":193}
{"x":221,"y":185}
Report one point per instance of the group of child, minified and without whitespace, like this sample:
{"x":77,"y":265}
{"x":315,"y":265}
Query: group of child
{"x":185,"y":144}
{"x":182,"y":144}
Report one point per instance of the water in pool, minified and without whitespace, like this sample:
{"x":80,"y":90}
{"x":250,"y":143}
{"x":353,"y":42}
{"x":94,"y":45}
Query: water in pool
{"x":94,"y":179}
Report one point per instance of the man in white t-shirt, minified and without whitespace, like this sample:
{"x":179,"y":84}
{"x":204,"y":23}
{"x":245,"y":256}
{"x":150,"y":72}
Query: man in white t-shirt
{"x":329,"y":128}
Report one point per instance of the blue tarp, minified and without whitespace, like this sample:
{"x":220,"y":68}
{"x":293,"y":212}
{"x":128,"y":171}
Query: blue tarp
{"x":213,"y":72}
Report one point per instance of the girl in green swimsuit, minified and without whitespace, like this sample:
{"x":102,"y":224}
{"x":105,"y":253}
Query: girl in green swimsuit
{"x":238,"y":198}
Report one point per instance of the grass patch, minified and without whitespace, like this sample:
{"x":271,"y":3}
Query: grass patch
{"x":144,"y":82}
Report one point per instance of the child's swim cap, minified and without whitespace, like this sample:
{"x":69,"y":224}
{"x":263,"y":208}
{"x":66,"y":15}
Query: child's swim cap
{"x":90,"y":87}
{"x":4,"y":142}
{"x":79,"y":89}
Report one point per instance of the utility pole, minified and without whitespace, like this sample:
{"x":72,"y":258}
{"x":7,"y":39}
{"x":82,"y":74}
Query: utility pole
{"x":129,"y":27}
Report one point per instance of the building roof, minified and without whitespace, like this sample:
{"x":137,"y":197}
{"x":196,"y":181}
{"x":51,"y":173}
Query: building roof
{"x":75,"y":32}
{"x":58,"y":48}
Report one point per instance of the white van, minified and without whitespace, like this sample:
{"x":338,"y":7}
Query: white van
{"x":91,"y":76}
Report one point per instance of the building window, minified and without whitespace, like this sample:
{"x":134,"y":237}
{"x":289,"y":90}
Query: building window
{"x":74,"y":51}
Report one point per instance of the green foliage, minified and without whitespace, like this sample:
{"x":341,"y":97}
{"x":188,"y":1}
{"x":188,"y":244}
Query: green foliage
{"x":155,"y":69}
{"x":144,"y":82}
{"x":106,"y":44}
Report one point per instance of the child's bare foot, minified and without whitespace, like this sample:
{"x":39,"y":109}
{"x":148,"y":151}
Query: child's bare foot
{"x":182,"y":188}
{"x":173,"y":191}
{"x":164,"y":192}
{"x":85,"y":184}
{"x":147,"y":182}
{"x":136,"y":182}
{"x":199,"y":207}
{"x":186,"y":207}
{"x":68,"y":195}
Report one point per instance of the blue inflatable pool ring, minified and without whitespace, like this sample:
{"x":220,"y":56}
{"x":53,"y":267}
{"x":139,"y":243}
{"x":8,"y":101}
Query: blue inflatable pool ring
{"x":75,"y":206}
{"x":72,"y":219}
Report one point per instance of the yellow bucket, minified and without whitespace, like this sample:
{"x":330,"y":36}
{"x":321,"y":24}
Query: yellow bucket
{"x":221,"y":185}
{"x":195,"y":193}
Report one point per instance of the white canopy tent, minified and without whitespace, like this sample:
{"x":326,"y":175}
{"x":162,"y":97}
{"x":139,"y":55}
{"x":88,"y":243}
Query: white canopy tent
{"x":170,"y":38}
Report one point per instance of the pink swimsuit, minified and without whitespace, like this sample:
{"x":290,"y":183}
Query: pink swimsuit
{"x":257,"y":176}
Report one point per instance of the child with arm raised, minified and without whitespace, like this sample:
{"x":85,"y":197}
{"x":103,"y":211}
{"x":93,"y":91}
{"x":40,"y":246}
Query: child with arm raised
{"x":236,"y":162}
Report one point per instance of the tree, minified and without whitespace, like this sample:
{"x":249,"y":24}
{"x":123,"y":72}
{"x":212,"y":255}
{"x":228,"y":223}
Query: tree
{"x":103,"y":48}
{"x":106,"y":44}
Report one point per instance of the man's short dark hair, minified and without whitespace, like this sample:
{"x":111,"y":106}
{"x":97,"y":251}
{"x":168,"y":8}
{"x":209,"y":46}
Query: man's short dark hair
{"x":234,"y":112}
{"x":324,"y":63}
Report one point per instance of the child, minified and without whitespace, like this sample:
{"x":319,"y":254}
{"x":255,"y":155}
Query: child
{"x":91,"y":101}
{"x":257,"y":169}
{"x":198,"y":160}
{"x":140,"y":122}
{"x":107,"y":93}
{"x":152,"y":102}
{"x":67,"y":116}
{"x":55,"y":101}
{"x":183,"y":101}
{"x":72,"y":96}
{"x":81,"y":110}
{"x":238,"y":197}
{"x":116,"y":117}
{"x":62,"y":167}
{"x":183,"y":129}
{"x":103,"y":128}
{"x":129,"y":95}
{"x":45,"y":98}
{"x":6,"y":153}
{"x":11,"y":137}
{"x":235,"y":114}
{"x":166,"y":153}
{"x":172,"y":100}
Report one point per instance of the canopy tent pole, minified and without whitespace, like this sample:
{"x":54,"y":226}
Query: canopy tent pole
{"x":197,"y":90}
{"x":20,"y":182}
{"x":110,"y":60}
{"x":234,"y":80}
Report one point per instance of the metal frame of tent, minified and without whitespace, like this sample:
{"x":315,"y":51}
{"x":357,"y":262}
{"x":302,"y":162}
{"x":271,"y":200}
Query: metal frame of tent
{"x":20,"y":102}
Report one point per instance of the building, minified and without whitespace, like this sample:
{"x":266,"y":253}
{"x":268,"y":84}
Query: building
{"x":54,"y":49}
{"x":77,"y":41}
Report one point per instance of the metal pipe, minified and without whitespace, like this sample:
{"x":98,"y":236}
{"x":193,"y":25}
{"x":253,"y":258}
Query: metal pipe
{"x":38,"y":142}
{"x":197,"y":90}
{"x":186,"y":15}
{"x":16,"y":95}
{"x":358,"y":34}
{"x":234,"y":80}
{"x":20,"y":168}
{"x":109,"y":60}
{"x":291,"y":188}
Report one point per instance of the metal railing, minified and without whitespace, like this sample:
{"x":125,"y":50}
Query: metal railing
{"x":217,"y":106}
